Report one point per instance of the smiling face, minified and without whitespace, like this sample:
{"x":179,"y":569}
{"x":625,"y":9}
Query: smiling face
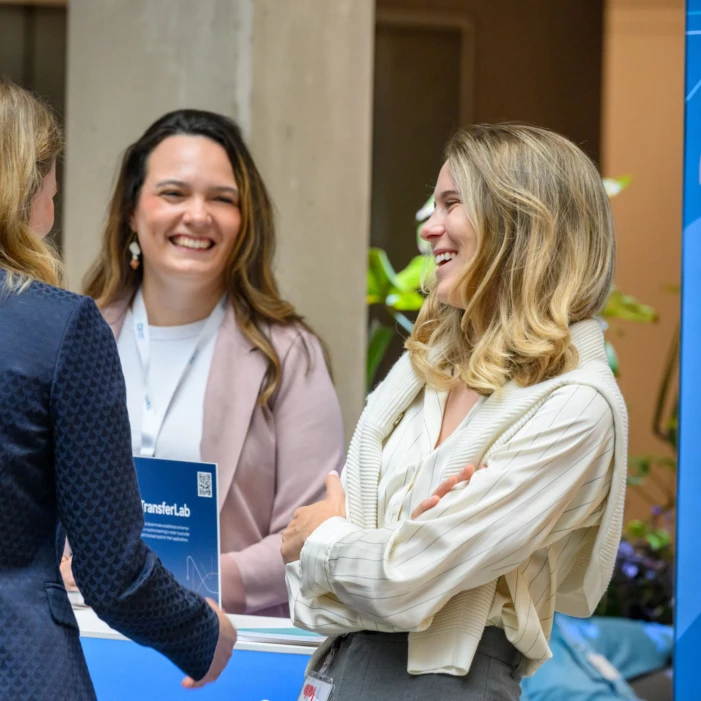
{"x":452,"y":238}
{"x":187,"y":216}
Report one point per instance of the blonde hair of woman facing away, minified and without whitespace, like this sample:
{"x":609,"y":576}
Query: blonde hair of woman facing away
{"x":544,"y":260}
{"x":506,"y":369}
{"x":30,"y":142}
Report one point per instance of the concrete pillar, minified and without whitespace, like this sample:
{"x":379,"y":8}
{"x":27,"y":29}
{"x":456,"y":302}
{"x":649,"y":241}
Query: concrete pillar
{"x":297,"y":76}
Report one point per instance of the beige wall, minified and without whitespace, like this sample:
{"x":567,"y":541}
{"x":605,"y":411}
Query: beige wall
{"x":33,"y":54}
{"x":310,"y":126}
{"x":643,"y":105}
{"x":298,"y":78}
{"x":128,"y":63}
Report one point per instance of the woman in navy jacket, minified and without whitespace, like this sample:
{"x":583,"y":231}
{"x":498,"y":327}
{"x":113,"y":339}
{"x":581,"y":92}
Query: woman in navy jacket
{"x":65,"y":457}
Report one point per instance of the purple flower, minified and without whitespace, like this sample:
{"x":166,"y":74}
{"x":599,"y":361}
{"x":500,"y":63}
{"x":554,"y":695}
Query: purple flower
{"x":626,"y":549}
{"x":629,"y":570}
{"x":656,"y":510}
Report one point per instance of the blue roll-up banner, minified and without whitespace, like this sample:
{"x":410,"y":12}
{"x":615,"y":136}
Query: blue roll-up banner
{"x":687,"y":680}
{"x":181,"y":519}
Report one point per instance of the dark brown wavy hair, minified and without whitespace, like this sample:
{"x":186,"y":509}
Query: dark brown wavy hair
{"x":249,"y":279}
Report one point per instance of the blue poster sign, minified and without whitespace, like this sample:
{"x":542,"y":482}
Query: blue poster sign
{"x":181,"y":519}
{"x":687,"y":681}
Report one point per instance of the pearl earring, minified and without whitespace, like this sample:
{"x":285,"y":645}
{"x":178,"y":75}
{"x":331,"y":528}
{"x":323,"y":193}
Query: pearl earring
{"x":135,"y":253}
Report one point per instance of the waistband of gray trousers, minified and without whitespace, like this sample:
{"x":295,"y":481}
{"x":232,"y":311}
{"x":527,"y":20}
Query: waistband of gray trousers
{"x":493,"y":643}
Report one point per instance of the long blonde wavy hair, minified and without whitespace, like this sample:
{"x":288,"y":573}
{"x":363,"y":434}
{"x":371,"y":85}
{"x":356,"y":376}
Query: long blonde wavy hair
{"x":544,"y":260}
{"x":249,"y":278}
{"x":30,"y":141}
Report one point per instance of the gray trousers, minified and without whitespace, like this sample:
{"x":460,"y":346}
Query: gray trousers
{"x":371,"y":666}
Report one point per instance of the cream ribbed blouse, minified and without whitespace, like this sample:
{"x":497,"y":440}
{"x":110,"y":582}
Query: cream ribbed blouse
{"x":506,"y":549}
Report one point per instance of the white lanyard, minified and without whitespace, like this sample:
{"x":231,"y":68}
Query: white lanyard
{"x":152,"y":421}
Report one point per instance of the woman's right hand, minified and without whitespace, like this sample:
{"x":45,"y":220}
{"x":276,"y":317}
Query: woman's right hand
{"x":67,"y":573}
{"x":465,"y":475}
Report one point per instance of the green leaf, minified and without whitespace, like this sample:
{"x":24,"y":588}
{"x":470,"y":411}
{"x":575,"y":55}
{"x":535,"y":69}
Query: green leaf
{"x":612,"y":358}
{"x":404,"y":301}
{"x":658,"y":539}
{"x":380,"y":273}
{"x":614,"y":186}
{"x":663,"y":536}
{"x":654,"y":542}
{"x":637,"y":528}
{"x":411,"y":278}
{"x":640,"y":465}
{"x":621,"y":306}
{"x":372,"y":292}
{"x":380,"y":336}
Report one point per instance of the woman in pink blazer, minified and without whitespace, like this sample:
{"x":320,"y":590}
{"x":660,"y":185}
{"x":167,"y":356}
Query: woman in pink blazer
{"x":235,"y":375}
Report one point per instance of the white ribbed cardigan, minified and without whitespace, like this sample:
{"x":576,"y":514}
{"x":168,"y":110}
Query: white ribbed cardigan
{"x":452,"y":638}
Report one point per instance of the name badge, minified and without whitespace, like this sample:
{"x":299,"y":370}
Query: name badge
{"x":316,"y":688}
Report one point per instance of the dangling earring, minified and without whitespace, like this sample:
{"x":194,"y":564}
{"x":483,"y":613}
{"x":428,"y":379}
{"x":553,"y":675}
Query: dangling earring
{"x":135,"y":253}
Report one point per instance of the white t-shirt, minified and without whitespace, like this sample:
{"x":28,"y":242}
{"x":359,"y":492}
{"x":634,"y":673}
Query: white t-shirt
{"x":170,"y":348}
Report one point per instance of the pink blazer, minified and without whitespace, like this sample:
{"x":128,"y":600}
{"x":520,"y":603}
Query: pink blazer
{"x":271,"y":460}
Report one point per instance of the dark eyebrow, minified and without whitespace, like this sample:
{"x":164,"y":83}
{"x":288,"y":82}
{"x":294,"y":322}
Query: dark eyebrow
{"x":226,"y":188}
{"x":177,"y":183}
{"x":217,"y":188}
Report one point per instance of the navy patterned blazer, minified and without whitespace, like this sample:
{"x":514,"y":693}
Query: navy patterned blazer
{"x":65,"y":460}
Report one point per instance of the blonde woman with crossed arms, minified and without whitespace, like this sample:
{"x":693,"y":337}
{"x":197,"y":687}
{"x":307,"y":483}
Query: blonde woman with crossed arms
{"x":452,"y":596}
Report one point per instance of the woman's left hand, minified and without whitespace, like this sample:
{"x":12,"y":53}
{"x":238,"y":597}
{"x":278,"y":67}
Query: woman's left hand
{"x":465,"y":475}
{"x":308,"y":518}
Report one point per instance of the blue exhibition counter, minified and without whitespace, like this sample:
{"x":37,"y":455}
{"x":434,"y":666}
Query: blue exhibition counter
{"x":259,"y":670}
